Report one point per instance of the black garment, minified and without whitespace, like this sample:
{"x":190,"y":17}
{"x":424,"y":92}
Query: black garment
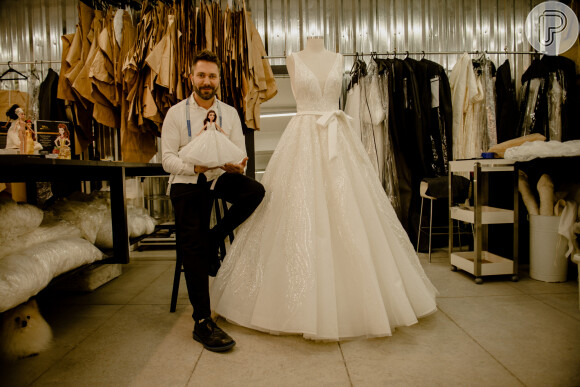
{"x":50,"y":107}
{"x":423,"y":101}
{"x":192,"y":204}
{"x":440,"y":117}
{"x":405,"y":124}
{"x":506,"y":106}
{"x":438,"y":187}
{"x":565,"y":71}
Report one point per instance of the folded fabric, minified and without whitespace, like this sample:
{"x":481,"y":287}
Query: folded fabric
{"x":531,"y":150}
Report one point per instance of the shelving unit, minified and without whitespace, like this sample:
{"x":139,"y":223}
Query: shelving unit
{"x":30,"y":169}
{"x":481,"y":262}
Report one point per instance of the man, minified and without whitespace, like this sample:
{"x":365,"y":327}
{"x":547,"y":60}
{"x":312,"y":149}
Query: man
{"x":192,"y":195}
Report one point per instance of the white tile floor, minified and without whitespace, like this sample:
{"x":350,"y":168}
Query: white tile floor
{"x":500,"y":333}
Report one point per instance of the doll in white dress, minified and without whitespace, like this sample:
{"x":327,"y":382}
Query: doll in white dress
{"x":211,"y":148}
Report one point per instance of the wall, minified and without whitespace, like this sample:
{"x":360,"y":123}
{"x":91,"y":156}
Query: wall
{"x":31,"y":31}
{"x":403,"y":25}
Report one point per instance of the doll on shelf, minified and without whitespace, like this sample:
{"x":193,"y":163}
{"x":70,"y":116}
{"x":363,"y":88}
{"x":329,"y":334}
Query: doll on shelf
{"x":21,"y":134}
{"x":17,"y":127}
{"x":62,"y":142}
{"x":211,"y":148}
{"x":28,"y":144}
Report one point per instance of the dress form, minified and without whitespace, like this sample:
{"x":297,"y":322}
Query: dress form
{"x":318,"y":59}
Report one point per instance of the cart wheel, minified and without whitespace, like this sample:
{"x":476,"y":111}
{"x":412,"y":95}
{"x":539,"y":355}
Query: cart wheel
{"x":478,"y":280}
{"x":515,"y":278}
{"x":453,"y":268}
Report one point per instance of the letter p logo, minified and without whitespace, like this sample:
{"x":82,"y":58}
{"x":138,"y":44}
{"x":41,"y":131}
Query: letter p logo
{"x":552,"y":22}
{"x":551,"y":28}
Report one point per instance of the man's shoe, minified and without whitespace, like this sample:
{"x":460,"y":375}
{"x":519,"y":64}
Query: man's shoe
{"x":211,"y":336}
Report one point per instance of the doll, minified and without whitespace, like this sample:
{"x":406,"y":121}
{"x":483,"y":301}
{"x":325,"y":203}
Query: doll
{"x":17,"y":128}
{"x":62,"y":142}
{"x":211,"y":148}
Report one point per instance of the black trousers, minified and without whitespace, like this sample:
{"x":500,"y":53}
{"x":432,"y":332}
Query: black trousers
{"x":192,"y":204}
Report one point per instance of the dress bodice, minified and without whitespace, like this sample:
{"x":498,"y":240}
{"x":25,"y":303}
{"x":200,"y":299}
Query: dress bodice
{"x":307,"y":89}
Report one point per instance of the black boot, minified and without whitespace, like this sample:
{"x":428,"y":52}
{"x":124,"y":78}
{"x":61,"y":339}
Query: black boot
{"x":211,"y":336}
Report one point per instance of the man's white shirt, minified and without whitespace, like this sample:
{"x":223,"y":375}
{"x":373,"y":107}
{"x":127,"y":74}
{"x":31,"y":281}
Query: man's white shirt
{"x":174,"y":135}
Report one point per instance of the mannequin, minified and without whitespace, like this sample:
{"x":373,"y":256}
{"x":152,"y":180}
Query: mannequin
{"x":318,"y":59}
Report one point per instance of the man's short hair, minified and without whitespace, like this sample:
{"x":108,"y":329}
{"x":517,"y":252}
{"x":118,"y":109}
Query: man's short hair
{"x":207,"y":56}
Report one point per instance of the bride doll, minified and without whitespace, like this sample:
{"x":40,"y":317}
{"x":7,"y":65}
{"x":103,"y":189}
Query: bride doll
{"x":211,"y":148}
{"x":17,"y":128}
{"x":20,"y":135}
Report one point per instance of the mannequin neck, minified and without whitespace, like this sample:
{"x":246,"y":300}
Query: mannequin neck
{"x":314,"y":44}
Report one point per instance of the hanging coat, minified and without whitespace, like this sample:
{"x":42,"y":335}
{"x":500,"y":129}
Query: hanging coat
{"x":465,"y":91}
{"x":537,"y":84}
{"x":506,"y":106}
{"x":439,"y":110}
{"x":262,"y":85}
{"x":51,"y":108}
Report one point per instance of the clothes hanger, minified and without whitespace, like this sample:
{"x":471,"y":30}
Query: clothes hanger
{"x":355,"y":64}
{"x":19,"y":75}
{"x":33,"y":72}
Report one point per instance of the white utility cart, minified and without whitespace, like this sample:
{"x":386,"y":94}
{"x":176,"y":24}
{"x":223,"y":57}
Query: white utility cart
{"x":480,"y":262}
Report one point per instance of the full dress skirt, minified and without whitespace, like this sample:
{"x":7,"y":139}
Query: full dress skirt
{"x":211,"y":148}
{"x":324,"y":255}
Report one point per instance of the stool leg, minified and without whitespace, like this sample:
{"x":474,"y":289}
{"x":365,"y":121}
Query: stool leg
{"x":176,"y":279}
{"x":420,"y":219}
{"x":430,"y":228}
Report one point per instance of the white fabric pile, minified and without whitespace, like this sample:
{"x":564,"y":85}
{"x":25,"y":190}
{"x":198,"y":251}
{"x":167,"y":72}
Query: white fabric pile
{"x":534,"y":149}
{"x":31,"y":254}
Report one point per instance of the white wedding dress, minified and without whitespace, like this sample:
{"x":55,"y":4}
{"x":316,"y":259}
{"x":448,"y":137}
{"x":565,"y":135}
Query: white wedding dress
{"x":324,"y":255}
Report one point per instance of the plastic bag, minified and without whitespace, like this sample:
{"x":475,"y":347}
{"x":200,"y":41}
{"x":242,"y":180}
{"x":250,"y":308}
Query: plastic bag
{"x":42,"y":234}
{"x":24,"y":274}
{"x":17,"y":219}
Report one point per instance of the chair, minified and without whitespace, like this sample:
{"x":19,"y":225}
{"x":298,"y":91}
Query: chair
{"x":218,"y":204}
{"x":424,"y":187}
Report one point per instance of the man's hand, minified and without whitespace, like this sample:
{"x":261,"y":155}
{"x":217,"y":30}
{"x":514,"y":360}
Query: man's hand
{"x":201,"y":168}
{"x":235,"y":168}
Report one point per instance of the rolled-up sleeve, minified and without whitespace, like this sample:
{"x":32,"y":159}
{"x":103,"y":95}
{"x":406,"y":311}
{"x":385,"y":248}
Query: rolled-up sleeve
{"x":171,"y":143}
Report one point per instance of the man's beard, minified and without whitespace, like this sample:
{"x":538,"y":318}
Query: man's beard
{"x":203,"y":92}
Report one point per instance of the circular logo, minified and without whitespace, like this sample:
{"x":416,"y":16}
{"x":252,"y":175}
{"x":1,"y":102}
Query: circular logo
{"x":551,"y":28}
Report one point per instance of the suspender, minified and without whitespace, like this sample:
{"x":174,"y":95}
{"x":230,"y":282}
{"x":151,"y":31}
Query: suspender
{"x":188,"y":120}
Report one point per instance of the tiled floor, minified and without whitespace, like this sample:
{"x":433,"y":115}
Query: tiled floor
{"x":500,"y":333}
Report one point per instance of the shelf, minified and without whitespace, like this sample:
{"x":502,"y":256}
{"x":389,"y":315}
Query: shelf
{"x":489,"y":215}
{"x":491,"y":264}
{"x":487,"y":165}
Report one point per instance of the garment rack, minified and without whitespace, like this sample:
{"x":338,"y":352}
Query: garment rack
{"x":30,"y":63}
{"x":407,"y":53}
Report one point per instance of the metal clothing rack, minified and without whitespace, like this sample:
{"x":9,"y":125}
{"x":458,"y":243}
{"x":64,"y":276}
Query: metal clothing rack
{"x":407,"y":53}
{"x":10,"y":63}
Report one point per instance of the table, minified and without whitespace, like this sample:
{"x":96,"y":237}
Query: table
{"x":21,"y":168}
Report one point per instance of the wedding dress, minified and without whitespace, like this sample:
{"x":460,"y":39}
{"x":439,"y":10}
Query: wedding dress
{"x":324,"y":255}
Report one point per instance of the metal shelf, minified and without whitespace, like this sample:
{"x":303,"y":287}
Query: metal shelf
{"x":489,"y":215}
